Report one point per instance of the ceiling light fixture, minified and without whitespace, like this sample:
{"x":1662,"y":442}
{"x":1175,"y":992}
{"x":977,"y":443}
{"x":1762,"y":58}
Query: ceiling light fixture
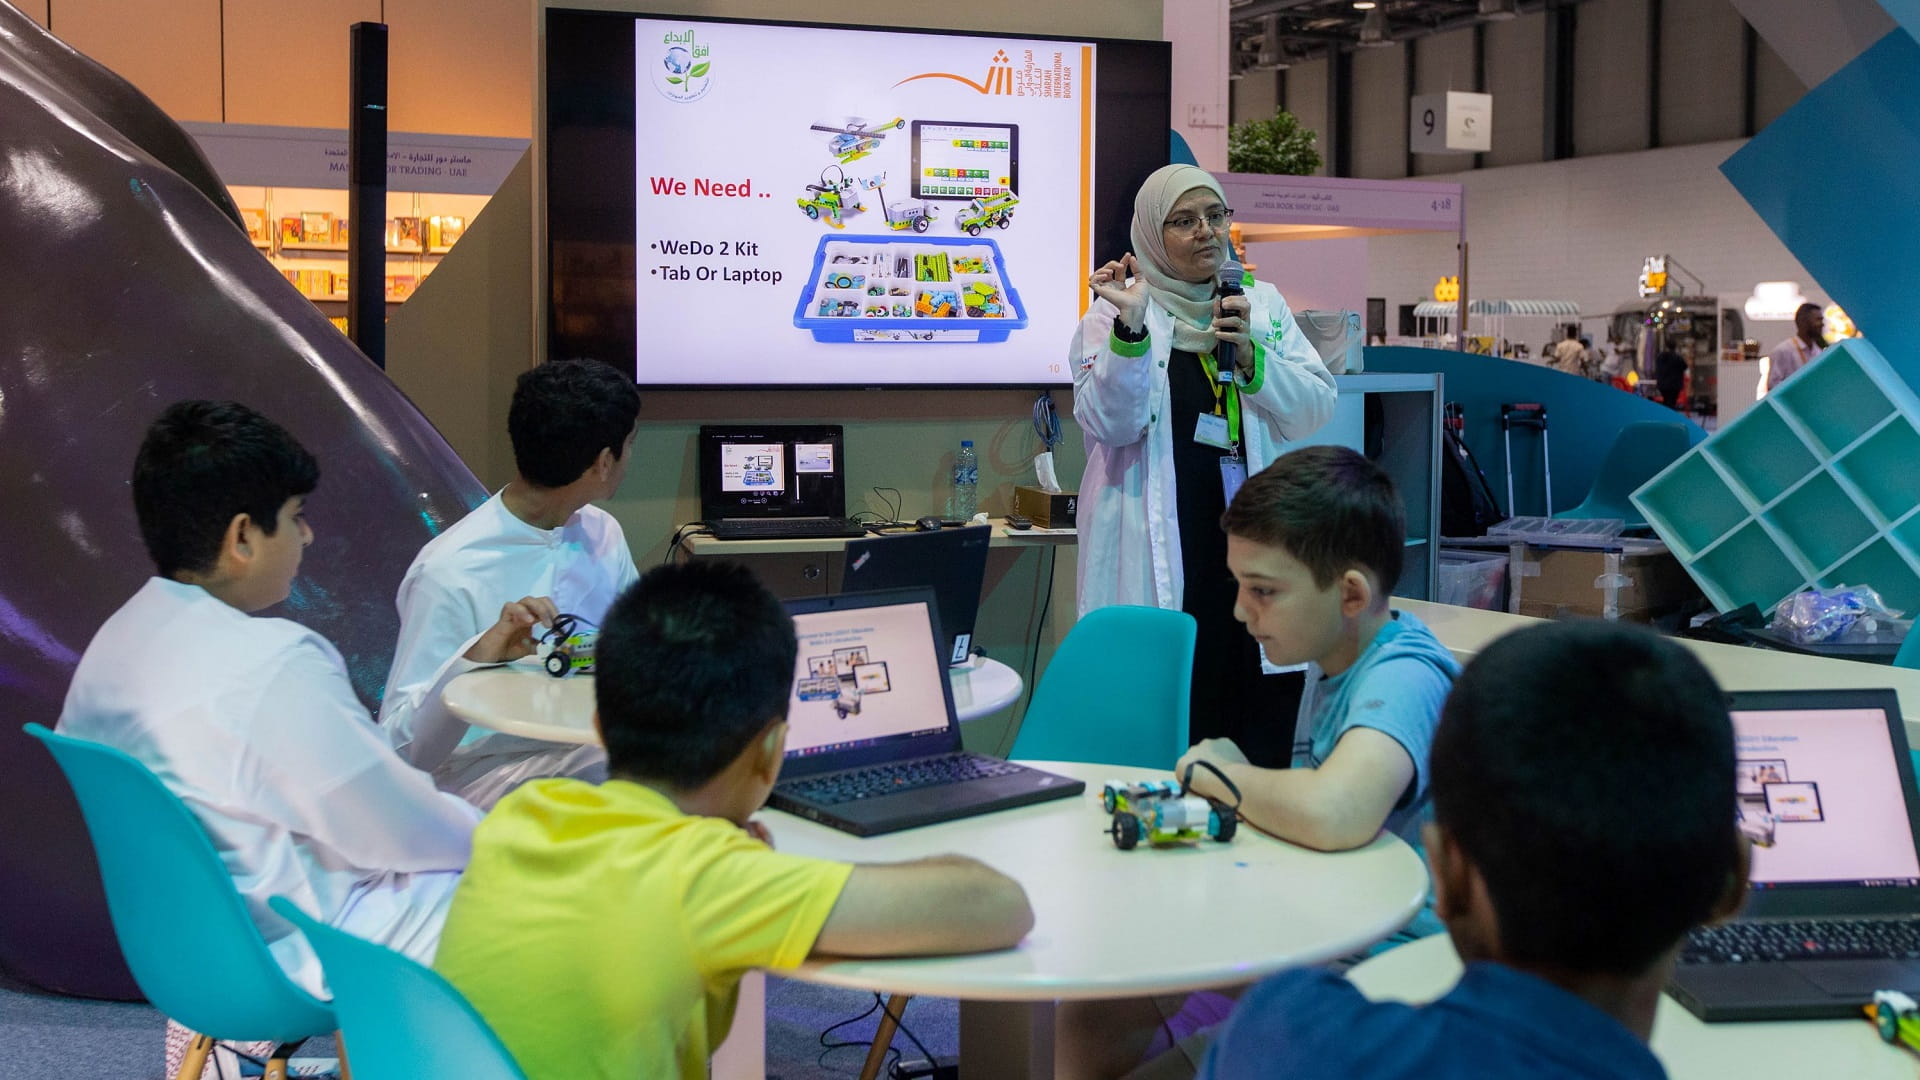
{"x":1364,"y":5}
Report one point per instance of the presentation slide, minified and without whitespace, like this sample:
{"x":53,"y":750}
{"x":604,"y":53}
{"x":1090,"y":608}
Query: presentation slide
{"x":822,"y":206}
{"x":864,"y":675}
{"x":754,"y":467}
{"x":1819,"y":795}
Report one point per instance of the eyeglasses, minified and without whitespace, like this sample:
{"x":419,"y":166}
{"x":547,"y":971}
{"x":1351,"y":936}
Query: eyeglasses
{"x":1187,"y":223}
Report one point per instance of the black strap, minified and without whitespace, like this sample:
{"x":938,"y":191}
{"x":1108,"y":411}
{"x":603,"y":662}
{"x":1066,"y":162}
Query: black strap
{"x":1186,"y":778}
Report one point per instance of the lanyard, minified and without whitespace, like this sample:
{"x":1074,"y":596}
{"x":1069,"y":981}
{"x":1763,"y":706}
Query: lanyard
{"x":1229,"y":393}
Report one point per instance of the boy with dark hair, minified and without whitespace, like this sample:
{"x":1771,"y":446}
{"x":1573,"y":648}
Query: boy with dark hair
{"x":1567,"y":911}
{"x":572,"y":423}
{"x":1316,"y":541}
{"x":603,"y":929}
{"x":252,"y":722}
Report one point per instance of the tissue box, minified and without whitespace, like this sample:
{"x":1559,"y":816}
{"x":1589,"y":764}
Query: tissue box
{"x":1048,"y":509}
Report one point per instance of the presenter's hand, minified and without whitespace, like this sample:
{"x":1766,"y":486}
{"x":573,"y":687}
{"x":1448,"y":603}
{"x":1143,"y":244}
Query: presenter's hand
{"x":1230,"y":315}
{"x":1109,"y":283}
{"x":512,"y":637}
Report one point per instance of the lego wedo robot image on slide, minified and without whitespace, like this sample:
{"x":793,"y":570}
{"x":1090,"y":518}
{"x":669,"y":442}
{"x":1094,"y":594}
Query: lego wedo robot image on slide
{"x":865,"y":288}
{"x":843,"y":678}
{"x":1164,"y":813}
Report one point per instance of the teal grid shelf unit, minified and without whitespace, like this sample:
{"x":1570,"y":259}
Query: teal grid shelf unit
{"x":1818,"y":483}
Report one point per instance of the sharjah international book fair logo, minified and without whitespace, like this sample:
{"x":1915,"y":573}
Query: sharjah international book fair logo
{"x":685,"y":71}
{"x":998,"y":80}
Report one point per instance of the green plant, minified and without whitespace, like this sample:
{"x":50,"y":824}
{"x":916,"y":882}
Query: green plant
{"x":1277,"y":145}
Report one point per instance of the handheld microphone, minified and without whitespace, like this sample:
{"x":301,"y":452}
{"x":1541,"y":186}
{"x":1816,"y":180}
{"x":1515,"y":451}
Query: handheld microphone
{"x":1228,"y":285}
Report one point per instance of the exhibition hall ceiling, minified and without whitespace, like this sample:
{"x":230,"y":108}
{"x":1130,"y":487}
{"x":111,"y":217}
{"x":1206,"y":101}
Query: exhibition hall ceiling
{"x":1269,"y":34}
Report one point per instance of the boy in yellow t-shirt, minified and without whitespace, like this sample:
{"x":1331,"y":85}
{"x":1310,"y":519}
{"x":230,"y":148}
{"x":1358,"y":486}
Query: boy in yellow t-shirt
{"x":602,"y":929}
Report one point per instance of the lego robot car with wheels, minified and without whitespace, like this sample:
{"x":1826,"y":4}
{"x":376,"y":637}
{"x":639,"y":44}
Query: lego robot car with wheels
{"x":567,"y":646}
{"x":1163,"y":812}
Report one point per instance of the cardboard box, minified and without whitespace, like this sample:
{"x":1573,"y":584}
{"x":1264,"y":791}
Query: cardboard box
{"x":1568,"y":582}
{"x":1048,"y":509}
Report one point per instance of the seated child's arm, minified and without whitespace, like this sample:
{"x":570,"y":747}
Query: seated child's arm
{"x":1340,"y":805}
{"x":946,"y":904}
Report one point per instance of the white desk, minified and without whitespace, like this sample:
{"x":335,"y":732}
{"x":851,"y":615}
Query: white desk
{"x":1466,"y":631}
{"x":1113,"y":923}
{"x":521,"y":699}
{"x":1690,"y":1050}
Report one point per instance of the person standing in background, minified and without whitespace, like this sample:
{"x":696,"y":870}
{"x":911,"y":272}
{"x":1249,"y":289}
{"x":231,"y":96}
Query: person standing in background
{"x":1570,"y":356}
{"x":1168,"y":442}
{"x":1794,"y":353}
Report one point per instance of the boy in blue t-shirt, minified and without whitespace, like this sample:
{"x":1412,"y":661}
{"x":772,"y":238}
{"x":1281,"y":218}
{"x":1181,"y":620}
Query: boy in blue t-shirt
{"x":1566,"y":907}
{"x":1316,"y":541}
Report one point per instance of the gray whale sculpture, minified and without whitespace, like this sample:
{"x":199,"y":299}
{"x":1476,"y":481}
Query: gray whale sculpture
{"x":129,"y":285}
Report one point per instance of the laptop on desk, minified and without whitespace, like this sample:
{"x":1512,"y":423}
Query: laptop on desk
{"x":873,"y":744}
{"x":952,"y":562}
{"x":774,"y":482}
{"x":1826,"y":794}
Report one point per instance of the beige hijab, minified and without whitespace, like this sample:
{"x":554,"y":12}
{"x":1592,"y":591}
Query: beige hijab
{"x":1190,"y":302}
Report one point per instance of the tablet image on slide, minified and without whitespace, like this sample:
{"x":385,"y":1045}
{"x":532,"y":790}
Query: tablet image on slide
{"x":821,"y":667}
{"x":1750,"y":773}
{"x":1797,"y":801}
{"x":872,"y":678}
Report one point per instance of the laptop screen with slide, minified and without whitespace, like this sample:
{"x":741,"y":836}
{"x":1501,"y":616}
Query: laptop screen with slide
{"x":772,"y":471}
{"x":1826,"y":793}
{"x":869,"y":683}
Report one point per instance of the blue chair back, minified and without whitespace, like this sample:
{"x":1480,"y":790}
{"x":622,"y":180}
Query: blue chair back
{"x":398,"y":1019}
{"x":1638,"y":453}
{"x":182,"y":926}
{"x":1909,"y":654}
{"x":1116,"y":692}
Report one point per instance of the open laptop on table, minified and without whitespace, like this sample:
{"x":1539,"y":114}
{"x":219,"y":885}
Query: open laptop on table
{"x":1827,"y":795}
{"x":873,"y":744}
{"x":774,"y":482}
{"x":952,"y":562}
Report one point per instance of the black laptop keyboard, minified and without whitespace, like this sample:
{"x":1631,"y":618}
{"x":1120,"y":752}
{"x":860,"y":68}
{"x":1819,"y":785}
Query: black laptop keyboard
{"x":1841,"y":939}
{"x":787,"y":528}
{"x":894,"y":778}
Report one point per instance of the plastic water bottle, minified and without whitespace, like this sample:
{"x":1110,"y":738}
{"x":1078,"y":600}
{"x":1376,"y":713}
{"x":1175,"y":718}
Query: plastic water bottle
{"x":966,"y":483}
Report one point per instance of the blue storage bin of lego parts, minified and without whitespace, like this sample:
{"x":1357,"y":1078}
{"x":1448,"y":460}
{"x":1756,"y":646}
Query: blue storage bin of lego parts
{"x":888,"y":289}
{"x":1817,"y":484}
{"x":1475,"y":579}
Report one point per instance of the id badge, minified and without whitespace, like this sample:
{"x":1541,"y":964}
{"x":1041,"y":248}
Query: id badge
{"x":1233,"y":473}
{"x":1212,"y":431}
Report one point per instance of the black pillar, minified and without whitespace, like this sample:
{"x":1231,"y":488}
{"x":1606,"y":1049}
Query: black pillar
{"x":367,"y":192}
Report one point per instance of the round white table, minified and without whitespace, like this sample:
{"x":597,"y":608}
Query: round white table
{"x":1690,"y":1049}
{"x":1112,"y":923}
{"x":522,"y":699}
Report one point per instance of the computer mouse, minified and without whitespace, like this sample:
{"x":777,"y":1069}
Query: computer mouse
{"x":930,"y":523}
{"x":1019,"y":521}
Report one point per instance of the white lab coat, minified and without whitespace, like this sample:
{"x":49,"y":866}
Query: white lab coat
{"x":253,"y":723}
{"x":451,"y":594}
{"x":1129,"y":541}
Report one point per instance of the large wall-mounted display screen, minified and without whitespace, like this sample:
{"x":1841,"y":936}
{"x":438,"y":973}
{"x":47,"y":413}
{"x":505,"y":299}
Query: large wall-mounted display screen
{"x":751,"y":204}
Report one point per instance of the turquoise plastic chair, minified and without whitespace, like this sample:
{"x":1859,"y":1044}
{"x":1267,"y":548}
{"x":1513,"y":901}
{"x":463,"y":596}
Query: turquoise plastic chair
{"x":1637,"y":455}
{"x":402,"y":1021}
{"x":182,"y":927}
{"x":1116,"y":692}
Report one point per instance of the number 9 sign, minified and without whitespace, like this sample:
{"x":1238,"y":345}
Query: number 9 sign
{"x":1427,"y":119}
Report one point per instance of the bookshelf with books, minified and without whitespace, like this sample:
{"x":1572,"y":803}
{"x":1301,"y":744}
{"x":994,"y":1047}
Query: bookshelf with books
{"x":304,"y":232}
{"x":290,"y":186}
